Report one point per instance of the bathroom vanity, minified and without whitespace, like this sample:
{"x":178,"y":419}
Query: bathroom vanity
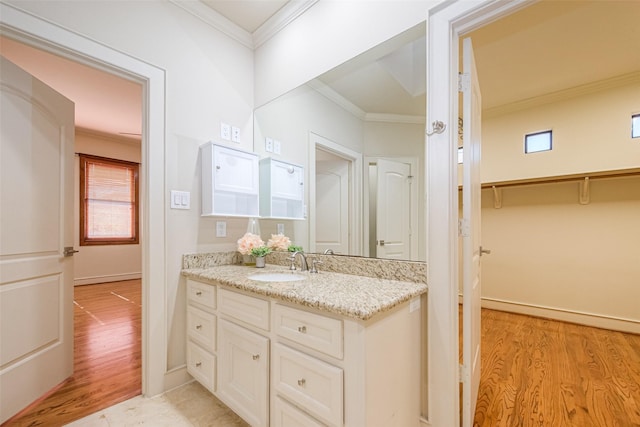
{"x":324,"y":349}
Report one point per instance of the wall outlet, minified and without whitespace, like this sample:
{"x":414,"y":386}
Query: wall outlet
{"x":221,"y":229}
{"x":280,"y":228}
{"x":277,"y":147}
{"x":235,"y":134}
{"x":268,"y":145}
{"x":225,"y":131}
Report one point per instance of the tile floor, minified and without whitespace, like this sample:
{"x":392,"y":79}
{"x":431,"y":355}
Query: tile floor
{"x":186,"y":406}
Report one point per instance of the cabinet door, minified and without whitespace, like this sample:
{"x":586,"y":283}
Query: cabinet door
{"x":286,"y":181}
{"x":235,"y":171}
{"x":243,"y":369}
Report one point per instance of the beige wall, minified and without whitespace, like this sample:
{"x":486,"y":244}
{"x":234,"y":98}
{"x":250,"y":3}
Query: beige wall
{"x":97,"y":264}
{"x":591,"y":132}
{"x":551,"y":255}
{"x":551,"y":252}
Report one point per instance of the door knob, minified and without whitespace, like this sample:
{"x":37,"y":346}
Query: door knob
{"x":484,"y":251}
{"x":69,"y":251}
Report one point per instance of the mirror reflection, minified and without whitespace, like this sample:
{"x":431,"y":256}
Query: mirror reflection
{"x":358,"y":130}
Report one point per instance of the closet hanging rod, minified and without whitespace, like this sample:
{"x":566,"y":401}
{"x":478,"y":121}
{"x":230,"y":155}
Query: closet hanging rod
{"x":579,"y":177}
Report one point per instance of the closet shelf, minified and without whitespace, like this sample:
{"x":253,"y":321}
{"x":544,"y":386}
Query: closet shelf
{"x":564,"y":178}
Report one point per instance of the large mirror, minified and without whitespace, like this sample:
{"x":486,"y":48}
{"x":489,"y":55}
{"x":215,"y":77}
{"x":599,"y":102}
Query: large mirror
{"x":358,"y":130}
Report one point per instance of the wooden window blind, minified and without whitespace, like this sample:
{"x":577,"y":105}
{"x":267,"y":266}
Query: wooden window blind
{"x":108,"y":201}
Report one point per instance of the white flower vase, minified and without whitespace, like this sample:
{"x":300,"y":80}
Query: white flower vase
{"x":260,"y":262}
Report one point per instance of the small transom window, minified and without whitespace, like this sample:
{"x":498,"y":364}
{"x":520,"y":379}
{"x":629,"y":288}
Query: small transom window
{"x":635,"y":126}
{"x":538,"y":141}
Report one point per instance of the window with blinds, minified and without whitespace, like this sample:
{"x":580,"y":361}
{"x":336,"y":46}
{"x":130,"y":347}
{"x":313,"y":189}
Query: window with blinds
{"x":108,"y":201}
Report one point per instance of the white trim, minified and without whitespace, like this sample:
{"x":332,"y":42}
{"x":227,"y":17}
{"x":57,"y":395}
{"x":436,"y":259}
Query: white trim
{"x":573,"y":316}
{"x":355,"y":215}
{"x":356,"y":111}
{"x":283,"y":17}
{"x":216,"y":20}
{"x":549,"y":98}
{"x":78,"y":281}
{"x":52,"y":38}
{"x":289,"y":12}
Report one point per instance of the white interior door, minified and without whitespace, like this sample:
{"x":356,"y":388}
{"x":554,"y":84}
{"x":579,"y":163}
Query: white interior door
{"x":332,"y":203}
{"x":393,"y":210}
{"x":471,"y":116}
{"x":36,"y":207}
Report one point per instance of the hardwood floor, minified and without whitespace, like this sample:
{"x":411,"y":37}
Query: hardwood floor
{"x":107,"y":356}
{"x":540,"y":372}
{"x":535,"y":372}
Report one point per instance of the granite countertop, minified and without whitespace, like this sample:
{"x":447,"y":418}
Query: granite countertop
{"x":352,"y":296}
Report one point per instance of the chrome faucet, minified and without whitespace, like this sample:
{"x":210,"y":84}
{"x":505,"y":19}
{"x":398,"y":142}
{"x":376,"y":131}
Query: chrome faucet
{"x":328,"y":252}
{"x":303,"y":261}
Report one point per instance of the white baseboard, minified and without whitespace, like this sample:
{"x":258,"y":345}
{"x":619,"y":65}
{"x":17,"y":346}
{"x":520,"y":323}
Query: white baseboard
{"x":589,"y":319}
{"x":106,"y":278}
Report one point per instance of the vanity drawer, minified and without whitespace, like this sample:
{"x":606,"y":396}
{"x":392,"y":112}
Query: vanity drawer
{"x":201,"y":365}
{"x":287,"y":415}
{"x":315,"y":331}
{"x":201,"y":327}
{"x":250,"y":310}
{"x":315,"y":386}
{"x":201,"y":294}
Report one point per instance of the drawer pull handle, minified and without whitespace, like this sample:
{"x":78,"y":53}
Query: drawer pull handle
{"x":302,"y":382}
{"x":198,"y":326}
{"x":302,"y":329}
{"x":198,"y":293}
{"x":198,"y":364}
{"x":256,"y":356}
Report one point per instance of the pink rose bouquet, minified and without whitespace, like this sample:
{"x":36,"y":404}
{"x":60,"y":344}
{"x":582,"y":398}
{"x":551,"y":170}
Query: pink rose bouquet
{"x":248,"y":242}
{"x":279,"y":242}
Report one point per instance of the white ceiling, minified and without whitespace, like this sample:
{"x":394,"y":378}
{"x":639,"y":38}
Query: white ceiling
{"x":545,"y":48}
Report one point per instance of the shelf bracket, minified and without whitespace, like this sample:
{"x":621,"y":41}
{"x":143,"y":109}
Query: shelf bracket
{"x":585,"y":194}
{"x":497,"y":197}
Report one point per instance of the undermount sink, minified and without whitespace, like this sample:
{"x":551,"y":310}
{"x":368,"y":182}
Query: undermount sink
{"x":276,"y":277}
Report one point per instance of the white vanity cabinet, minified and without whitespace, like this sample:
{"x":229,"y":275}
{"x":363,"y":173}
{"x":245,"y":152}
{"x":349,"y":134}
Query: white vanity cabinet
{"x":286,"y":365}
{"x":230,"y":181}
{"x":244,"y":373}
{"x":281,"y":189}
{"x":201,"y":333}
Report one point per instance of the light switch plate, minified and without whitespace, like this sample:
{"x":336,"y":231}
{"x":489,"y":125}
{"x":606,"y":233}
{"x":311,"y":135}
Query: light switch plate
{"x":180,"y":199}
{"x":277,"y":147}
{"x":225,"y":131}
{"x":268,"y":145}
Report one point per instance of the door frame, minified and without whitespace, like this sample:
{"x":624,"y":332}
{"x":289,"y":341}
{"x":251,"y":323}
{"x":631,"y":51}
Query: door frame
{"x":318,"y":142}
{"x":447,"y":22}
{"x":33,"y":31}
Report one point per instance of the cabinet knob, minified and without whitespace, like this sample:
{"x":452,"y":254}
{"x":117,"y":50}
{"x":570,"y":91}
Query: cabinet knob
{"x":198,"y":326}
{"x":302,"y":382}
{"x":256,"y":356}
{"x":302,"y":329}
{"x":198,"y":364}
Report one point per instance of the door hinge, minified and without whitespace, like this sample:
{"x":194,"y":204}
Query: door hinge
{"x":463,"y":227}
{"x":463,"y":373}
{"x":464,"y":82}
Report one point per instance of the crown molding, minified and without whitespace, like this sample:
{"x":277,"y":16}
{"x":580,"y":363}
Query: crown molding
{"x":336,"y":98}
{"x":125,"y":139}
{"x":216,"y":20}
{"x":394,"y":118}
{"x":289,"y":12}
{"x":562,"y":95}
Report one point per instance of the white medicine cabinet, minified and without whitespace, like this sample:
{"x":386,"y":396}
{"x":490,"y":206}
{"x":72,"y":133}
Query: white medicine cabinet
{"x":230,"y":181}
{"x":281,"y":189}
